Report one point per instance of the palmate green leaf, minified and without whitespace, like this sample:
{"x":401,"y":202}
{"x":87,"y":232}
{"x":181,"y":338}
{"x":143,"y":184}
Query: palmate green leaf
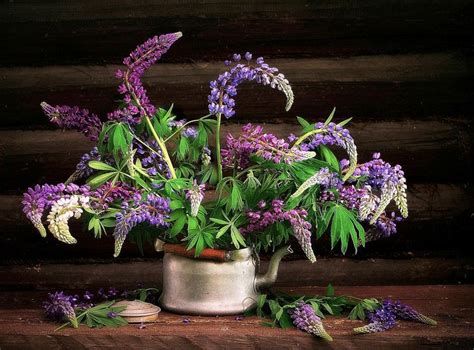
{"x":344,"y":226}
{"x":344,"y":122}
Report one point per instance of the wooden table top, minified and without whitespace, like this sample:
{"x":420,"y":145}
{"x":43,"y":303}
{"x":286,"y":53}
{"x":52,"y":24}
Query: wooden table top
{"x":22,"y":325}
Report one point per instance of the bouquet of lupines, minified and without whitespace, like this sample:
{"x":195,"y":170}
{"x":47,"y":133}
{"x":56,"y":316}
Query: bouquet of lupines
{"x":150,"y":171}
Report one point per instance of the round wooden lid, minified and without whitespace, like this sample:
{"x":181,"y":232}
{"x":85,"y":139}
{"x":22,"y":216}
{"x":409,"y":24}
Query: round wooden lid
{"x":137,"y":308}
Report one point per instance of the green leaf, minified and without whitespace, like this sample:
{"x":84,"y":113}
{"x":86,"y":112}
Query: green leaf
{"x":95,"y":164}
{"x":330,"y":290}
{"x":100,"y":179}
{"x":344,"y":122}
{"x":330,"y":117}
{"x":329,"y":157}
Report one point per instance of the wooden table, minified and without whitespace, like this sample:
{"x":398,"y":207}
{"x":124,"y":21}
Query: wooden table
{"x":22,"y":326}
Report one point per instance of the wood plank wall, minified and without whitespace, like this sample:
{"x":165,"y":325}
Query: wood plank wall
{"x":402,"y":69}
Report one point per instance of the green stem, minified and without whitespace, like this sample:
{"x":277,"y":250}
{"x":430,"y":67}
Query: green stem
{"x":305,"y":136}
{"x":218,"y":148}
{"x":161,"y":144}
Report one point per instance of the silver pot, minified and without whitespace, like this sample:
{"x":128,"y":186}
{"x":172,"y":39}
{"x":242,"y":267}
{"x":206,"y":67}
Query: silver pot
{"x":204,"y":287}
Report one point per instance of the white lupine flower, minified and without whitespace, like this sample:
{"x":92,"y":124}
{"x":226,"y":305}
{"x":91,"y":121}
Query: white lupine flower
{"x":387,"y":194}
{"x":368,"y":203}
{"x":322,"y":177}
{"x":351,"y":149}
{"x":61,"y":211}
{"x":400,"y":198}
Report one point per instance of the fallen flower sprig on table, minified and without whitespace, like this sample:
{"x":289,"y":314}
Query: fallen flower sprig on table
{"x":307,"y":313}
{"x":94,"y":310}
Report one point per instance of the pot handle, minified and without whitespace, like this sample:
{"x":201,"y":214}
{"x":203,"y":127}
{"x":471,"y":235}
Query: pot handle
{"x":206,"y":254}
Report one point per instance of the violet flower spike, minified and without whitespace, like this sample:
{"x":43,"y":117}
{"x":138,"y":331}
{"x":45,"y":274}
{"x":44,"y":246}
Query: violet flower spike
{"x":153,"y":210}
{"x":60,"y":307}
{"x":406,"y":312}
{"x":380,"y":320}
{"x":305,"y":319}
{"x":135,"y":95}
{"x":254,"y":141}
{"x":74,"y":118}
{"x":224,"y":89}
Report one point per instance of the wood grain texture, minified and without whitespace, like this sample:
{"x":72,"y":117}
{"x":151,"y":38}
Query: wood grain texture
{"x":23,"y":327}
{"x":415,"y":86}
{"x":339,"y":271}
{"x":30,"y":157}
{"x":52,"y":32}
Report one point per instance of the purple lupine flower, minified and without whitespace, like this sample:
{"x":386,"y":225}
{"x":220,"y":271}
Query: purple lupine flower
{"x":333,"y":134}
{"x":390,"y":180}
{"x":153,"y":210}
{"x":82,"y":168}
{"x":261,"y":219}
{"x":195,"y":195}
{"x":152,"y":161}
{"x":60,"y":307}
{"x":301,"y":231}
{"x":189,"y":132}
{"x":75,"y":118}
{"x":111,"y":192}
{"x":135,"y":95}
{"x":305,"y":319}
{"x":323,"y":177}
{"x":380,"y":320}
{"x":40,"y":198}
{"x":224,"y":89}
{"x":254,"y":141}
{"x":112,"y":314}
{"x":406,"y":312}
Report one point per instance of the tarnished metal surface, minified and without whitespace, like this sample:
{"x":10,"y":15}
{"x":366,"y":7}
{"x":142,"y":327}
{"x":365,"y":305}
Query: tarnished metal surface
{"x":203,"y":287}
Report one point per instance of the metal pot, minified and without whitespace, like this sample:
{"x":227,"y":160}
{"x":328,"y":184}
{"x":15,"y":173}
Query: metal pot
{"x":204,"y":287}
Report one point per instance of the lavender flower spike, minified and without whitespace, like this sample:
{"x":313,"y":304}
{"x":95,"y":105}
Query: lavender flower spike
{"x":60,"y":307}
{"x":406,"y":312}
{"x":224,"y":89}
{"x":305,"y":319}
{"x":154,"y":211}
{"x":74,"y":118}
{"x":380,"y":320}
{"x":195,"y":195}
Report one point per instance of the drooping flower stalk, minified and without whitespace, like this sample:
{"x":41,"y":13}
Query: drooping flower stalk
{"x":61,"y":212}
{"x":40,"y":198}
{"x":153,"y":210}
{"x":261,"y":219}
{"x":390,"y":180}
{"x":75,"y":118}
{"x":331,"y":134}
{"x":305,"y":319}
{"x":224,"y":89}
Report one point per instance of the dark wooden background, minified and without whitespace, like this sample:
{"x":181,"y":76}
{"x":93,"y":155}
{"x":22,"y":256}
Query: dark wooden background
{"x":402,"y":69}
